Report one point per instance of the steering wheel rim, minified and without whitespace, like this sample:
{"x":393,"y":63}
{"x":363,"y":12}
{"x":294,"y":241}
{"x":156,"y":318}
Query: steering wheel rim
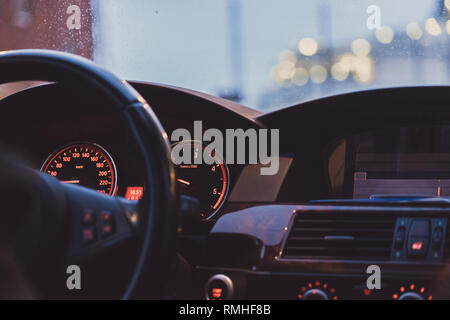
{"x":158,"y":207}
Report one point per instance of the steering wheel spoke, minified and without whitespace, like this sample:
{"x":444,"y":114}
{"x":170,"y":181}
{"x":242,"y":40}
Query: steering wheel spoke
{"x":98,"y":223}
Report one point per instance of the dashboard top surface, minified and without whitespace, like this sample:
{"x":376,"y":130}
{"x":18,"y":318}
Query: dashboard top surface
{"x":307,"y":132}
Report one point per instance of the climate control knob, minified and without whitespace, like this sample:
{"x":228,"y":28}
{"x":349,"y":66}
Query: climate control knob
{"x":315,"y":294}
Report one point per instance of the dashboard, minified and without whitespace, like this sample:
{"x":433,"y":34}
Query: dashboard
{"x":363,"y":181}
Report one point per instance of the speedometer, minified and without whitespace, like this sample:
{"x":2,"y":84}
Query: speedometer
{"x":84,"y":164}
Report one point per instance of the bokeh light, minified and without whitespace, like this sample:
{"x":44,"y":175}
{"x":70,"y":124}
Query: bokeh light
{"x":300,"y":77}
{"x":414,"y":31}
{"x":447,"y":4}
{"x":447,"y":26}
{"x":288,"y":55}
{"x":385,"y":35}
{"x":361,"y":47}
{"x":339,"y":71}
{"x":433,"y":27}
{"x":318,"y":74}
{"x":308,"y":46}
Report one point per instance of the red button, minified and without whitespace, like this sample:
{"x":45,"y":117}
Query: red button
{"x":217,"y":293}
{"x":107,"y":230}
{"x":88,"y":235}
{"x":106,"y":217}
{"x":88,"y":217}
{"x":416,"y":246}
{"x":107,"y":223}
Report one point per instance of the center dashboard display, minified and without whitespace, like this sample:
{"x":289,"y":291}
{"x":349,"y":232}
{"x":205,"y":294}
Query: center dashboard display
{"x":396,"y":162}
{"x":401,"y":174}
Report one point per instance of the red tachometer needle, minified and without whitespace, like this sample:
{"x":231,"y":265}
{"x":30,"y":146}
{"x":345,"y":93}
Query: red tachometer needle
{"x":184,"y":182}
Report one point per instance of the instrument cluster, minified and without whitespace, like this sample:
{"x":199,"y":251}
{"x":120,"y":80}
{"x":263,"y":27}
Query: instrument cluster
{"x":90,"y":165}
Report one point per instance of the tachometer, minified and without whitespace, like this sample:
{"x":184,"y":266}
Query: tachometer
{"x":208,"y":183}
{"x":85,"y":164}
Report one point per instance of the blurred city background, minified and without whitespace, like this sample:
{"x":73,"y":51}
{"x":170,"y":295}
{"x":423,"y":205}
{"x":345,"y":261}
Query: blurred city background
{"x":264,"y":54}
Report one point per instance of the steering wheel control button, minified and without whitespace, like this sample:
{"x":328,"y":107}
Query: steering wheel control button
{"x":88,"y":217}
{"x":107,"y":230}
{"x":219,"y":287}
{"x":106,"y":216}
{"x":107,"y":223}
{"x":88,"y":235}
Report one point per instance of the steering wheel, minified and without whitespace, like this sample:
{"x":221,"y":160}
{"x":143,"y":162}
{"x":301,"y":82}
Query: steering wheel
{"x":47,"y":224}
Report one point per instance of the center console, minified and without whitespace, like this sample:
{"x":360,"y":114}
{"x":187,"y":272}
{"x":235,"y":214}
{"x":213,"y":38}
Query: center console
{"x":329,"y":251}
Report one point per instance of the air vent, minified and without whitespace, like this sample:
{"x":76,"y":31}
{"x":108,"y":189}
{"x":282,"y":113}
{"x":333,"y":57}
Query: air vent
{"x":343,"y":236}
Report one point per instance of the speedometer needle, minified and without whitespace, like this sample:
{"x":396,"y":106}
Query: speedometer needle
{"x":184,"y":182}
{"x":71,"y":181}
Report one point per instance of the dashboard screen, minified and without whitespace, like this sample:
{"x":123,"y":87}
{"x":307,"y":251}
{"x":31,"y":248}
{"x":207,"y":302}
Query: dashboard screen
{"x":401,"y":161}
{"x":409,"y":174}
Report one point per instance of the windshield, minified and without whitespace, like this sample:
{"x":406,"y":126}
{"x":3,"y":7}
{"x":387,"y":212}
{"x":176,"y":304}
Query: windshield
{"x":264,"y":54}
